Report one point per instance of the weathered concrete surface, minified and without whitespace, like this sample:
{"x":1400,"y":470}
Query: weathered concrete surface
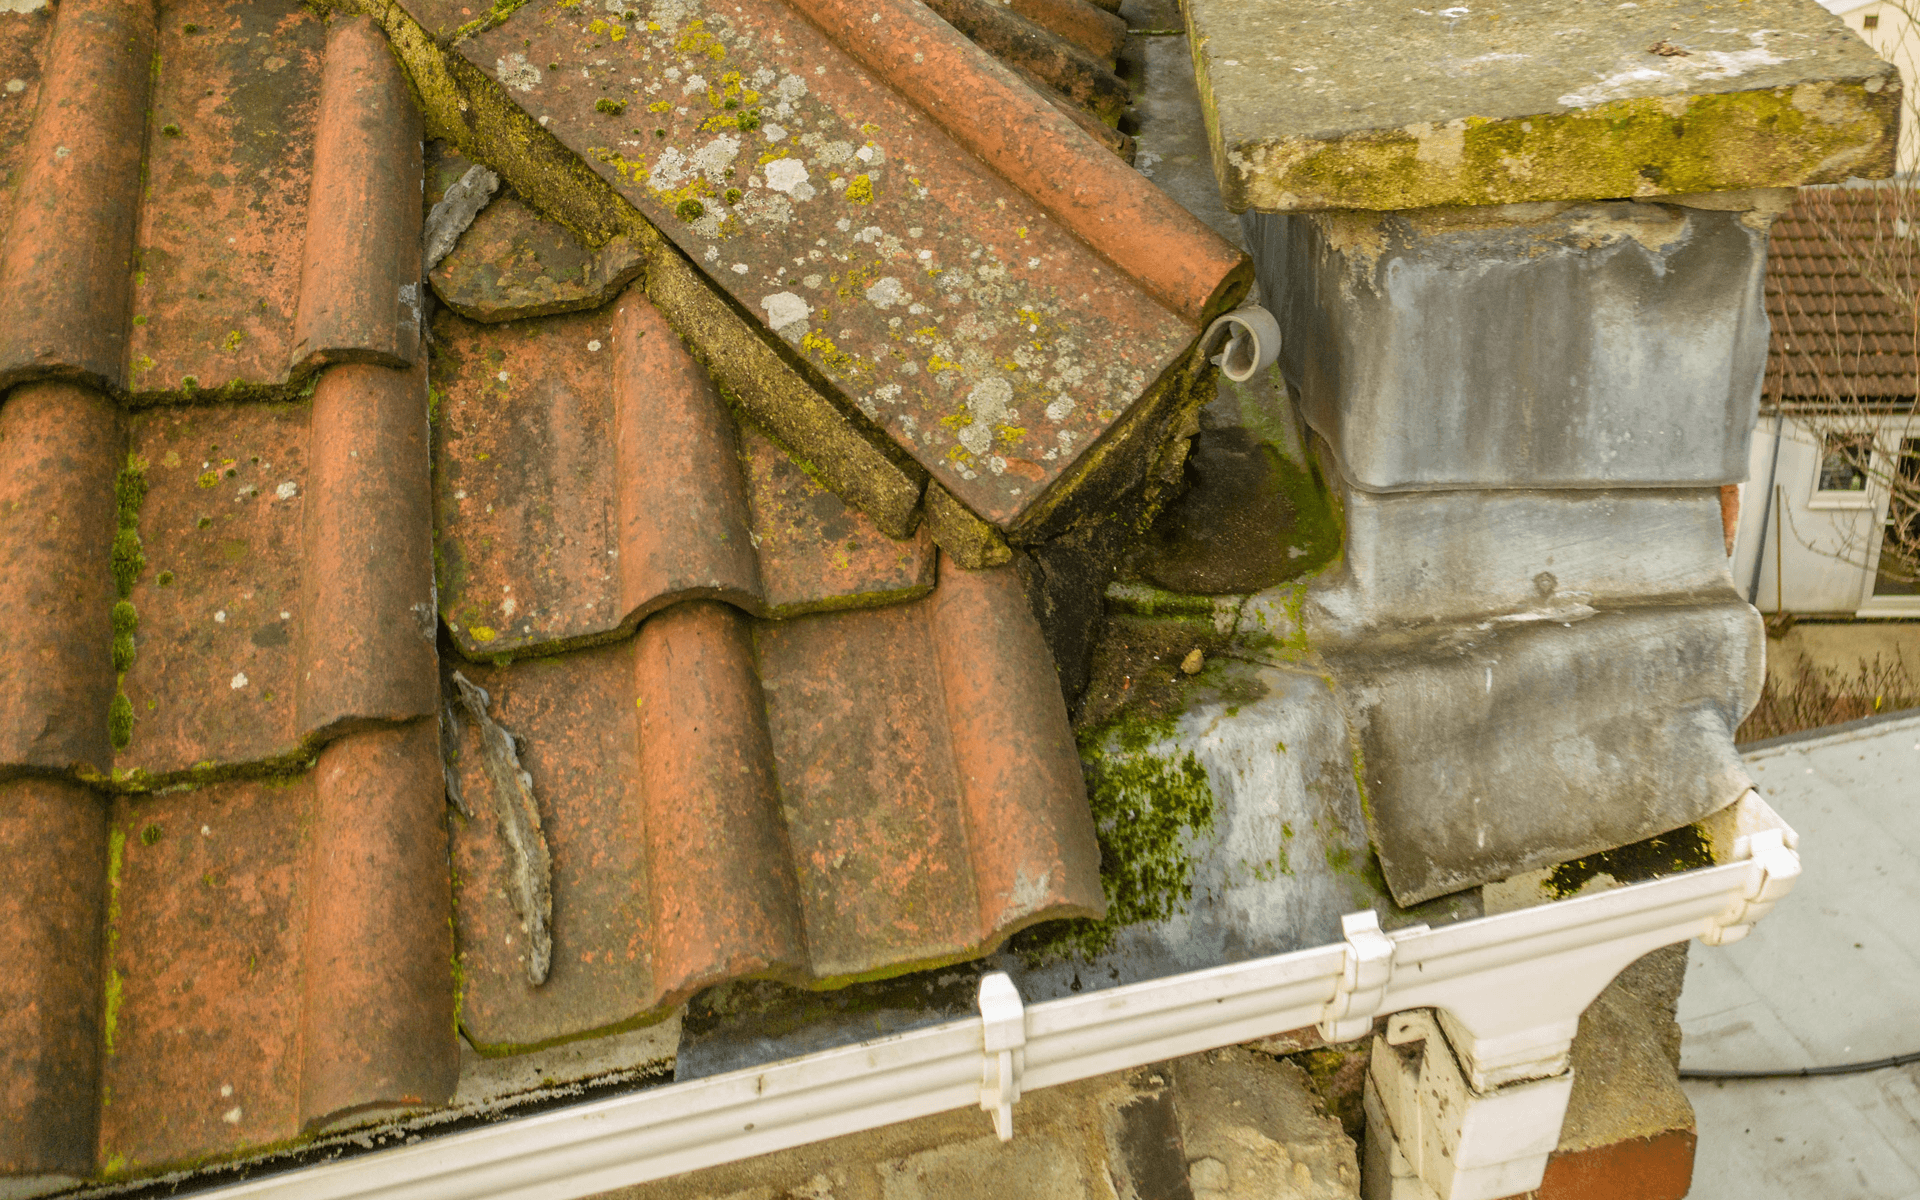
{"x":1229,"y":814}
{"x":1628,"y":1123}
{"x":1232,"y":1106}
{"x":1170,"y":145}
{"x":1496,"y":748}
{"x":1232,"y":1124}
{"x":1539,"y":346}
{"x":1415,"y":558}
{"x":1326,"y":104}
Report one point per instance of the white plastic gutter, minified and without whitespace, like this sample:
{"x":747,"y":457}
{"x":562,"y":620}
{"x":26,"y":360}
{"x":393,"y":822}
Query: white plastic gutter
{"x":1506,"y":988}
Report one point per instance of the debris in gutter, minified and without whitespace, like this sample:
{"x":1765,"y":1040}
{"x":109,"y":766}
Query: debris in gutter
{"x":1194,"y":660}
{"x":1667,"y":50}
{"x":448,"y":219}
{"x":531,"y":887}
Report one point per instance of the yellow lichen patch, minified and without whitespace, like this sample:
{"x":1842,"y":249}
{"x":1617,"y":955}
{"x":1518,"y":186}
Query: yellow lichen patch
{"x":860,"y":191}
{"x":1650,"y":146}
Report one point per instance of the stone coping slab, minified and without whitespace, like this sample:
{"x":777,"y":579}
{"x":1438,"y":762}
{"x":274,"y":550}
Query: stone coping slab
{"x":1384,"y":105}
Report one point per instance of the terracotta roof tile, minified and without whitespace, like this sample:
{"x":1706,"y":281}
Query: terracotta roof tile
{"x":64,"y":275}
{"x":589,"y":475}
{"x":966,"y":277}
{"x":763,"y":731}
{"x":1835,"y":333}
{"x":277,"y":954}
{"x":812,"y":799}
{"x":513,"y":263}
{"x":60,"y":447}
{"x":53,"y":874}
{"x":223,"y":228}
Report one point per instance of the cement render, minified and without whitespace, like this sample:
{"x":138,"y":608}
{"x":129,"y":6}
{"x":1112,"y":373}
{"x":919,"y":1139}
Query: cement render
{"x":1417,"y":558}
{"x":1530,"y":346}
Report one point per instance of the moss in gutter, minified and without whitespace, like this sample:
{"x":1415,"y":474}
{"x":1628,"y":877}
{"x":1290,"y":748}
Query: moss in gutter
{"x":1684,"y":849}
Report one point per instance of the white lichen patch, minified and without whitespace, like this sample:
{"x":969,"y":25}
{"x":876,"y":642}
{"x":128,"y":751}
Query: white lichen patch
{"x":669,"y":171}
{"x":785,"y":310}
{"x":715,"y":158}
{"x":513,"y":71}
{"x":990,"y":403}
{"x":787,"y":175}
{"x":887,"y":292}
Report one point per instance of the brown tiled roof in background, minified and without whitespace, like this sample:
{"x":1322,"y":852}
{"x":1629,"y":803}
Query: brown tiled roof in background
{"x":762,"y":736}
{"x":1836,"y":333}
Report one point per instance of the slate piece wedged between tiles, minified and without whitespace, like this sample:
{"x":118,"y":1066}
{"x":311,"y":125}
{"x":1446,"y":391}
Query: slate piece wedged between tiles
{"x":587,"y":474}
{"x":986,"y":338}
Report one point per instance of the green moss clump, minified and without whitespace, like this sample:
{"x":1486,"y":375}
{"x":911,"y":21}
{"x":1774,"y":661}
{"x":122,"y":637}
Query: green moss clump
{"x":120,"y":721}
{"x":130,"y":490}
{"x":125,"y":622}
{"x":170,"y":130}
{"x":690,"y":210}
{"x":748,"y":121}
{"x":128,"y":561}
{"x":612,"y":108}
{"x":1148,"y":804}
{"x":733,"y":195}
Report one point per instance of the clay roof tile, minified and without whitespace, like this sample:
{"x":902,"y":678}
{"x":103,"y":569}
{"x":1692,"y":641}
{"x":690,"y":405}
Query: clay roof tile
{"x":739,"y":716}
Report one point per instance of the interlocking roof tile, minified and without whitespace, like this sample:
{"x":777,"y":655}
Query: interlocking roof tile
{"x":256,"y":519}
{"x":975,"y":288}
{"x":814,"y":800}
{"x":1837,"y":333}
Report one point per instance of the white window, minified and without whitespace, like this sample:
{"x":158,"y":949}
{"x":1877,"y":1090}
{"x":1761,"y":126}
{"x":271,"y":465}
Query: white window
{"x":1841,"y":472}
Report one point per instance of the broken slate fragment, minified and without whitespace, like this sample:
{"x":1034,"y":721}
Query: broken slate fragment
{"x":530,"y":885}
{"x":455,"y":212}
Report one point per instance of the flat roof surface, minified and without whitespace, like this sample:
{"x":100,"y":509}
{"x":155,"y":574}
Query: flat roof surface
{"x":1829,"y":977}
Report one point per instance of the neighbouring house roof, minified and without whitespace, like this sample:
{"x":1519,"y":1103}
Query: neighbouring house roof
{"x":1835,"y":264}
{"x":658,"y":587}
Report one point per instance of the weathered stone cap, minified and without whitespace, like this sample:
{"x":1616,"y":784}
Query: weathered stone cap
{"x":1382,"y":105}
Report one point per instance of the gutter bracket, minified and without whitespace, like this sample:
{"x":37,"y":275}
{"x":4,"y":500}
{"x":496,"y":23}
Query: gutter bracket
{"x":1003,"y":1019}
{"x":1363,"y":980}
{"x":1773,"y":869}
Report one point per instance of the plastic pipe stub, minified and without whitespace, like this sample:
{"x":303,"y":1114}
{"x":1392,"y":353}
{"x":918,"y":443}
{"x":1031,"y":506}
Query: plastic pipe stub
{"x":1253,"y":342}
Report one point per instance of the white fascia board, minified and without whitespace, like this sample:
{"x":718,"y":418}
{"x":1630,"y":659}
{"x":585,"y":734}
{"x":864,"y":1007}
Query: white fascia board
{"x":1514,"y":983}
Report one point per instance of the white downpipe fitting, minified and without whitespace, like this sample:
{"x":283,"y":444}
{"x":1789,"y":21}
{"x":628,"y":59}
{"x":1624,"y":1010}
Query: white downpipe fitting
{"x":1253,"y":342}
{"x":1480,"y":1111}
